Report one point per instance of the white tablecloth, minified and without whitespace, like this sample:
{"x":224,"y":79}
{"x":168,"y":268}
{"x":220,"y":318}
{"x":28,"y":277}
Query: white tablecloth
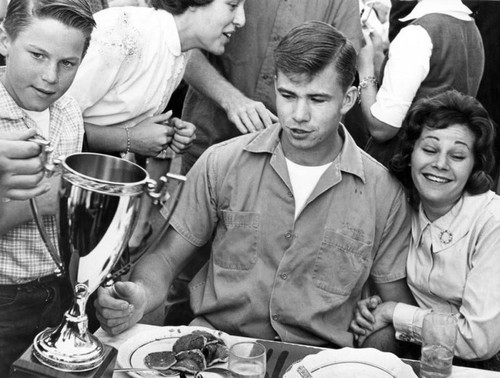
{"x":117,"y":341}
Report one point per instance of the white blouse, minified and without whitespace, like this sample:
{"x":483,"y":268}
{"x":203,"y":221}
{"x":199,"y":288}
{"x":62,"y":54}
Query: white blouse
{"x":133,"y":64}
{"x":453,"y":267}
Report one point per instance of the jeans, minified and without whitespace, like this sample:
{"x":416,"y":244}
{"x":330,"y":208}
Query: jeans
{"x":25,"y":310}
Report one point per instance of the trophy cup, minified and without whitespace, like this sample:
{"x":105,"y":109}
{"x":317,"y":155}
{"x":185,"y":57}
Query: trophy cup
{"x":99,"y":199}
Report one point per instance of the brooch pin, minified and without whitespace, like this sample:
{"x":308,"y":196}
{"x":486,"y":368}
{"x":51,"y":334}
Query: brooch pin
{"x":446,"y":237}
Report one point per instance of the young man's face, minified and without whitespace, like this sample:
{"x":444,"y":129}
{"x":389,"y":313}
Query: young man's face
{"x":41,"y":62}
{"x":309,"y":111}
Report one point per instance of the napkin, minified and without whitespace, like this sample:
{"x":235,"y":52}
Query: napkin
{"x":281,"y":355}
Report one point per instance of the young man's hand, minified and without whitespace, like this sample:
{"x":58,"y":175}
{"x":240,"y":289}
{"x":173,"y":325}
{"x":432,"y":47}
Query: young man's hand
{"x":120,"y":306}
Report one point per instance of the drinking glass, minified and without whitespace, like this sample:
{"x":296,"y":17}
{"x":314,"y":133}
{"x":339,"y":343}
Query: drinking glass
{"x":248,"y":359}
{"x":439,"y":334}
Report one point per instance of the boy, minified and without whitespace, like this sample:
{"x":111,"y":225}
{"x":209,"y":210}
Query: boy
{"x":44,"y":42}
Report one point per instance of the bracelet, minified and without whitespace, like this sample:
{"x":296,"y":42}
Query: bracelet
{"x":364,"y":83}
{"x":128,"y":139}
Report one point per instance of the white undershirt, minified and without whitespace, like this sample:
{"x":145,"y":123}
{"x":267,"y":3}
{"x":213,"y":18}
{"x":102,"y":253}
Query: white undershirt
{"x":304,"y":179}
{"x":42,"y":120}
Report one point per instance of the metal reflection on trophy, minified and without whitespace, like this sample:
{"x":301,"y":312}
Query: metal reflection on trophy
{"x":99,"y":201}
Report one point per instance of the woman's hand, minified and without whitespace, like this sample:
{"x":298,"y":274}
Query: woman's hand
{"x":152,"y":135}
{"x":184,"y":135}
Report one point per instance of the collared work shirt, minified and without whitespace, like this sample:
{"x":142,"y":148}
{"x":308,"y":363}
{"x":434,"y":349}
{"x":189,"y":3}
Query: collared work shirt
{"x":453,"y":268}
{"x":23,"y":255}
{"x":272,"y":275}
{"x":248,"y":62}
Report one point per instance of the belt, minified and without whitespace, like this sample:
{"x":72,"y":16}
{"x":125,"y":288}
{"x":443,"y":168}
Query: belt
{"x":39,"y":282}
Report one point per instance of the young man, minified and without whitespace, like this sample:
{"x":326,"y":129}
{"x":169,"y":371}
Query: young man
{"x":300,"y":216}
{"x":44,"y":42}
{"x":233,"y":94}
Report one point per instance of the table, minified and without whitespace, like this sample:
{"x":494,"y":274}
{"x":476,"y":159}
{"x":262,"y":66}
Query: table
{"x":280,"y":355}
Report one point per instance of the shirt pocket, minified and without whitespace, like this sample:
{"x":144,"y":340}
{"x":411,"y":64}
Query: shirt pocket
{"x":235,"y":245}
{"x":339,"y":263}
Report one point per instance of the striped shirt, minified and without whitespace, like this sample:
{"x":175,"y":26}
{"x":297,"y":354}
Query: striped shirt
{"x":23,"y":255}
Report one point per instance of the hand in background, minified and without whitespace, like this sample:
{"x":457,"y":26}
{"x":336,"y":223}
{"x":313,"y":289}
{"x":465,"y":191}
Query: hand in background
{"x":248,"y":115}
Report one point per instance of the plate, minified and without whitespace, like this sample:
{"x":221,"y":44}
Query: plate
{"x":132,"y":352}
{"x":350,"y":362}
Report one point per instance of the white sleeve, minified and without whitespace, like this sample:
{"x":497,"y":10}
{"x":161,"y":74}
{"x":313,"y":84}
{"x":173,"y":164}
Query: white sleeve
{"x":408,"y":65}
{"x":97,"y":74}
{"x":407,"y":321}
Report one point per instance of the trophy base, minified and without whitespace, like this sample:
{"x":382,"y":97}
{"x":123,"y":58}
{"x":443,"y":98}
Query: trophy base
{"x":27,"y":366}
{"x":65,"y":349}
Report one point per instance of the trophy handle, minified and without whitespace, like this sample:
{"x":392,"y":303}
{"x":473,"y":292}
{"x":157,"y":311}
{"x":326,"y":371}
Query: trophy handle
{"x":49,"y":168}
{"x":156,"y":190}
{"x":60,"y":271}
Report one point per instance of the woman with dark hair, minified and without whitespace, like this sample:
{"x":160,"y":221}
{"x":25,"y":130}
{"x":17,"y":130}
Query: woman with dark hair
{"x":135,"y":61}
{"x":444,"y":159}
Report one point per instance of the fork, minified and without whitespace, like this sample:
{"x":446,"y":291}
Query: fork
{"x":145,"y":370}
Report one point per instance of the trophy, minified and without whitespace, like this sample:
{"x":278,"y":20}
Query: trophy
{"x":99,"y":200}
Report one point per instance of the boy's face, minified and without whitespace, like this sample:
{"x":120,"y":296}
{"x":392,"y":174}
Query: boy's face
{"x":41,"y":62}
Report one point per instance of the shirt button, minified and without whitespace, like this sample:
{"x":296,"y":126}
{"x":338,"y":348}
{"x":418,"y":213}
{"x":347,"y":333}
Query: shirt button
{"x":288,"y":235}
{"x":284,"y":276}
{"x":275,"y":317}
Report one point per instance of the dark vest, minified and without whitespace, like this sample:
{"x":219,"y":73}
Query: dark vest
{"x":457,"y":62}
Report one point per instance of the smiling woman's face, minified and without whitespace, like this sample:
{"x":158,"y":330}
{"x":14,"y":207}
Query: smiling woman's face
{"x":441,"y":164}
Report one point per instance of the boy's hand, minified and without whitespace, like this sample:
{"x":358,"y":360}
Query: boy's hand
{"x":21,"y":169}
{"x":120,"y":306}
{"x":184,"y":135}
{"x":152,"y":135}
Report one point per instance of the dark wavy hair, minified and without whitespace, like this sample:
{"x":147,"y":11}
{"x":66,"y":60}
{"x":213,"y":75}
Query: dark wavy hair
{"x":310,"y":47}
{"x":439,"y":112}
{"x":73,"y":13}
{"x":178,"y":6}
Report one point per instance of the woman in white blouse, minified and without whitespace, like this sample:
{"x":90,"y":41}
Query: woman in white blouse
{"x":444,"y":159}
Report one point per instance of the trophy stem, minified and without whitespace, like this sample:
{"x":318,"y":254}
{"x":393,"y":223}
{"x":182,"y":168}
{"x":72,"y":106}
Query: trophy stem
{"x":70,"y":346}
